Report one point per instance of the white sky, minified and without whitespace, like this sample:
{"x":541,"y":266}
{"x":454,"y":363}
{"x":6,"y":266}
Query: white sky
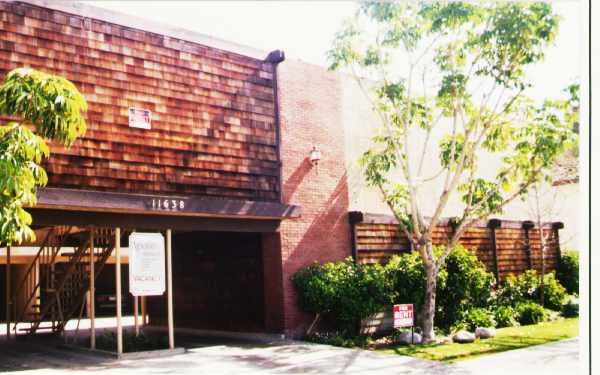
{"x":304,"y":30}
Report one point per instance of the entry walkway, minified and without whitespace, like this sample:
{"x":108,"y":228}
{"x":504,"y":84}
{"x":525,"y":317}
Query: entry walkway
{"x":294,"y":357}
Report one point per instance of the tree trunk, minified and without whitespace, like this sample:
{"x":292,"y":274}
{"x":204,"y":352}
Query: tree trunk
{"x":428,"y":312}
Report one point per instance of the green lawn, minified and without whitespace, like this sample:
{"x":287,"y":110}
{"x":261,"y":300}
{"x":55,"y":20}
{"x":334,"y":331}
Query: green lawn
{"x":506,"y":339}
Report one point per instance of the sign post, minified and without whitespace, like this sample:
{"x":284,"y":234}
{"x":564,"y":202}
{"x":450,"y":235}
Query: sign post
{"x":404,"y":317}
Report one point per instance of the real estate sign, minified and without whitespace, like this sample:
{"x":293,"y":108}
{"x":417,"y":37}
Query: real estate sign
{"x":146,"y":264}
{"x":403,"y":315}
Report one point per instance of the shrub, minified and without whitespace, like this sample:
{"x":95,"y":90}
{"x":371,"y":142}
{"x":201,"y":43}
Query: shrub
{"x":531,"y":313}
{"x":554,"y":293}
{"x":526,"y":287}
{"x":505,"y":316}
{"x":468,"y":285}
{"x":406,"y":275}
{"x":567,"y":271}
{"x":347,"y":291}
{"x":473,"y":318}
{"x":571,"y":308}
{"x":337,"y":338}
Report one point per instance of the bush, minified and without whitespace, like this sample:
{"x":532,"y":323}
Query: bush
{"x":468,"y":286}
{"x":505,"y":316}
{"x":345,"y":290}
{"x":348,"y":292}
{"x":567,"y":271}
{"x":531,"y":313}
{"x":571,"y":308}
{"x":406,"y":275}
{"x":473,"y":318}
{"x":526,"y":287}
{"x":337,"y":338}
{"x":463,"y":283}
{"x":554,"y":293}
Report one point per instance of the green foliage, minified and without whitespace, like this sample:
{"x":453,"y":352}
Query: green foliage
{"x":468,"y":285}
{"x":350,"y":292}
{"x":345,"y":290}
{"x":51,"y":103}
{"x":52,"y":106}
{"x":341,"y":339}
{"x":505,"y":316}
{"x":527,"y":287}
{"x":571,"y":308}
{"x":473,"y":318}
{"x":554,"y":293}
{"x":531,"y":313}
{"x":567,"y":271}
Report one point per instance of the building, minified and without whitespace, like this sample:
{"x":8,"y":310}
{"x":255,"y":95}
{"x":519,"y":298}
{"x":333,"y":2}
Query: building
{"x":208,"y":140}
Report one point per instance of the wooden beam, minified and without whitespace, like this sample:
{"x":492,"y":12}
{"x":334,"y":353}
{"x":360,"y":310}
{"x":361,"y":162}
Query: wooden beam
{"x":99,"y":201}
{"x":92,"y":292}
{"x":136,"y":315}
{"x":8,"y":292}
{"x":494,"y":224}
{"x":118,"y":291}
{"x":170,"y":292}
{"x":151,"y":222}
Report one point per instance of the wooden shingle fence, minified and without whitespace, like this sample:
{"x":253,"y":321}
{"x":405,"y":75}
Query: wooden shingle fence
{"x":504,"y":246}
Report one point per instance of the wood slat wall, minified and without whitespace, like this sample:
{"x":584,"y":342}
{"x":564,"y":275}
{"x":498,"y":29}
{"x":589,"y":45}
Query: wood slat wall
{"x":213,"y":121}
{"x":377,"y":242}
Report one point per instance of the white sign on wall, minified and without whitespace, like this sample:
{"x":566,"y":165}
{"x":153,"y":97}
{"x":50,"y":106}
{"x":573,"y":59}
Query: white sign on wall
{"x":140,"y":118}
{"x":146,"y":264}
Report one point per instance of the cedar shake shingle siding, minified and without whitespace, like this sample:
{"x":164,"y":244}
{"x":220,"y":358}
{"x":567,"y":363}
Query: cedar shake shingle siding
{"x":213,"y":121}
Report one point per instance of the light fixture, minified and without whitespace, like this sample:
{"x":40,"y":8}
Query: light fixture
{"x":315,"y":156}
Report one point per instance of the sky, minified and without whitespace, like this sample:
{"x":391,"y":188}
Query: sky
{"x":304,"y":30}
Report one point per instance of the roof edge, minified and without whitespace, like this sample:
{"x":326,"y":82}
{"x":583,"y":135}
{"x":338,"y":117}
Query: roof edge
{"x":127,"y":20}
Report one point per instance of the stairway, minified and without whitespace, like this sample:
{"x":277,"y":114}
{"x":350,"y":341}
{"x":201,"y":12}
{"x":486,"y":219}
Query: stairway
{"x":59,"y":289}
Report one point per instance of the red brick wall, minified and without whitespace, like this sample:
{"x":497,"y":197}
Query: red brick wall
{"x":310,"y":100}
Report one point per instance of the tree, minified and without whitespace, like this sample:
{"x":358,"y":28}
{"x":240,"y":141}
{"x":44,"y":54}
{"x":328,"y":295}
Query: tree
{"x":543,"y":196}
{"x":49,"y":108}
{"x":473,"y":56}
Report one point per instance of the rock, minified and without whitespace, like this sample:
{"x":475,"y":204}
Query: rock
{"x":485,"y":333}
{"x":444,"y":340}
{"x":463,"y":337}
{"x":404,"y":338}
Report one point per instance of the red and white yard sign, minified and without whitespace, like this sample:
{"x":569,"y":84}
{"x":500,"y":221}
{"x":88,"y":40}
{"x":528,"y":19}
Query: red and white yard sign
{"x":403,"y":315}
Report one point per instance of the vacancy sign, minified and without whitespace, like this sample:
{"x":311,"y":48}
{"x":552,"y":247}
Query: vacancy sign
{"x":139,"y":118}
{"x":146,"y":264}
{"x":403,"y":315}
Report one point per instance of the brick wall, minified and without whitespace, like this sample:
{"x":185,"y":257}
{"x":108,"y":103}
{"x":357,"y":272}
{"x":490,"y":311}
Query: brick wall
{"x":311,"y":107}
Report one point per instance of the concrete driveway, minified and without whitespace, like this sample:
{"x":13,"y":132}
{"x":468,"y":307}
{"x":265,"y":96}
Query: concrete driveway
{"x":227,"y":357}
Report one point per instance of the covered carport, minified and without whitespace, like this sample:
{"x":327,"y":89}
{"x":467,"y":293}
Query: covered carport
{"x":216,"y":273}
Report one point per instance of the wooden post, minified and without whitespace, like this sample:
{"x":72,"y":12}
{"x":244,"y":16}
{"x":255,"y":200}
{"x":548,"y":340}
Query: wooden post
{"x":144,"y":313}
{"x":170,"y":292}
{"x":556,"y":226}
{"x":493,"y":224}
{"x":135,"y":315}
{"x":118,"y":282}
{"x":527,"y":226}
{"x":92,"y":292}
{"x":8,"y":292}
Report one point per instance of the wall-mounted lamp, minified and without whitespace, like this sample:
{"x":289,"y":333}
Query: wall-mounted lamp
{"x":315,"y":156}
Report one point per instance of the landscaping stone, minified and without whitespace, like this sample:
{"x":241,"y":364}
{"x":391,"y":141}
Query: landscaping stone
{"x":444,"y":340}
{"x":404,"y":338}
{"x":463,"y":337}
{"x":485,"y":333}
